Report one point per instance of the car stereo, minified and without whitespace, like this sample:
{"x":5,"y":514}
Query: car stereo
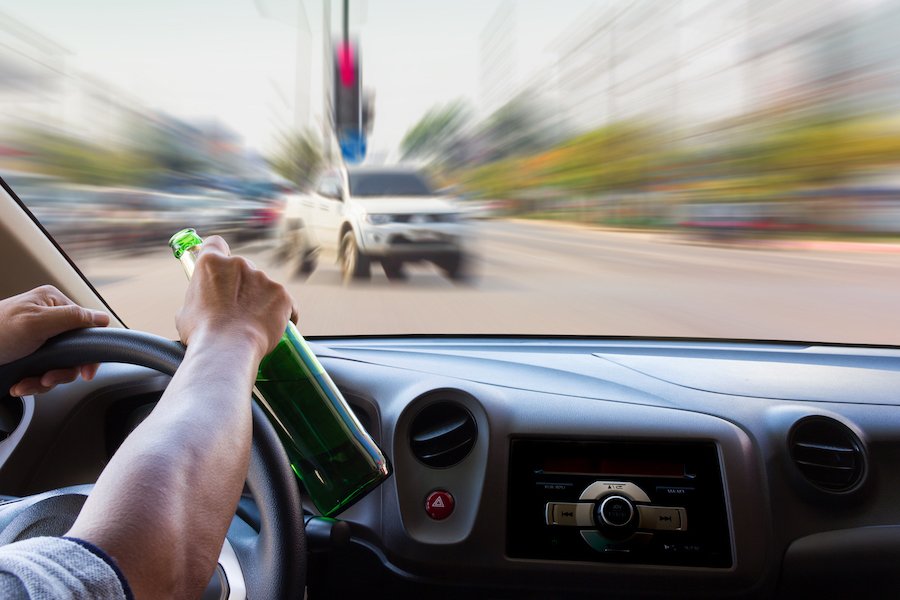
{"x":607,"y":501}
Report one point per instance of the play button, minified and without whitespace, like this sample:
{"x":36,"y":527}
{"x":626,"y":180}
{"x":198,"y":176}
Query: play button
{"x":439,"y":504}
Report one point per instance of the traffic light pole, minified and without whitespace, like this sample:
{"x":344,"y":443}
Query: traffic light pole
{"x":327,"y":57}
{"x":346,"y":21}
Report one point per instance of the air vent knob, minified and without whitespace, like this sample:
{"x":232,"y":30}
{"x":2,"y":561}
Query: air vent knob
{"x":442,"y":434}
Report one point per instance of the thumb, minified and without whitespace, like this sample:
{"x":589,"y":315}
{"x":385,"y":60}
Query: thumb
{"x":57,"y":319}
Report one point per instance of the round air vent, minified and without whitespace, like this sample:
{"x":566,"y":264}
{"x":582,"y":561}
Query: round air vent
{"x":828,"y":453}
{"x":442,"y":434}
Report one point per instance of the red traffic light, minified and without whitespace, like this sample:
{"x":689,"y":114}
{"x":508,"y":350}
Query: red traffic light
{"x":346,"y":64}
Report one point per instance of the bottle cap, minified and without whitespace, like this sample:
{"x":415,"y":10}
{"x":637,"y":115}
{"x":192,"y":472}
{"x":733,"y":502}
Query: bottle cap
{"x":183,"y":241}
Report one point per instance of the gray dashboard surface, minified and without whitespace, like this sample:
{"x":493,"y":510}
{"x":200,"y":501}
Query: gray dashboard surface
{"x":597,"y":369}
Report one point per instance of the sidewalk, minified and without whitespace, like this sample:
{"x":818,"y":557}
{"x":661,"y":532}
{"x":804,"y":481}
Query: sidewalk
{"x":771,"y":244}
{"x":832,"y":246}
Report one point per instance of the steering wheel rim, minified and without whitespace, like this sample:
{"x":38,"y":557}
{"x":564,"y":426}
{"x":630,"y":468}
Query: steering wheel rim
{"x":273,"y":562}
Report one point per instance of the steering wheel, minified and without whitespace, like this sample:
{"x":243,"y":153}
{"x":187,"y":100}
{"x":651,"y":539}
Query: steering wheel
{"x":270,"y":563}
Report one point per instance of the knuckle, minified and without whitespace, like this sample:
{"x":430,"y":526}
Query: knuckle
{"x":75,"y":312}
{"x":210,"y":260}
{"x":244,"y":264}
{"x":48,"y":291}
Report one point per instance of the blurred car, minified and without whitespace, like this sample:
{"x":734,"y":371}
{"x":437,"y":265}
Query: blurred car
{"x":263,"y":203}
{"x":389,"y":215}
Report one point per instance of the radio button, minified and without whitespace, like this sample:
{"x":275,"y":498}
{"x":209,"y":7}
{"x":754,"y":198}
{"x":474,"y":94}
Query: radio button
{"x":598,"y":489}
{"x":616,"y":511}
{"x":673,"y":492}
{"x":569,"y":514}
{"x":665,"y":518}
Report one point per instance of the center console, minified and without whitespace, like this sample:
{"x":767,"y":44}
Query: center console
{"x":653,"y":503}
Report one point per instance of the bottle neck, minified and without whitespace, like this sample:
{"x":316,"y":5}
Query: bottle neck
{"x":189,"y":258}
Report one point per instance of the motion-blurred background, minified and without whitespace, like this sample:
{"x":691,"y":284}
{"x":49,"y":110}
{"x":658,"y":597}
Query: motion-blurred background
{"x":772,"y":124}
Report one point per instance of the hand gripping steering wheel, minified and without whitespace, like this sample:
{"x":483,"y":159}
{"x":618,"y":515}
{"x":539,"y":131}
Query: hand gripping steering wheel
{"x":268,"y":563}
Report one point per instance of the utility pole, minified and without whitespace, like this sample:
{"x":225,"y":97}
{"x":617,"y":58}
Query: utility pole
{"x":346,"y":21}
{"x":327,"y":52}
{"x":302,"y":71}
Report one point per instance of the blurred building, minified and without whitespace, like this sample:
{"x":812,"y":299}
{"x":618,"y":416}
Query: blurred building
{"x":38,"y":88}
{"x":690,"y":62}
{"x":41,"y":92}
{"x":498,"y":67}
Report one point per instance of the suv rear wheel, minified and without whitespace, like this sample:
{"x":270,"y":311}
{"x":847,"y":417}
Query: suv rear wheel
{"x":454,"y":267}
{"x":393,"y":269}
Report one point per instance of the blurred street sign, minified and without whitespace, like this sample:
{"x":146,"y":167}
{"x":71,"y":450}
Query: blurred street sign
{"x":353,"y":146}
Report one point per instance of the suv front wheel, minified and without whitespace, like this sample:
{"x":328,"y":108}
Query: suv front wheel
{"x":354,"y":264}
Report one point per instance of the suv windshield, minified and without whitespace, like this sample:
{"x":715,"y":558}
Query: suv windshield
{"x":387,"y":184}
{"x":689,"y":168}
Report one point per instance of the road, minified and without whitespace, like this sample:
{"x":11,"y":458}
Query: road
{"x":547,"y":278}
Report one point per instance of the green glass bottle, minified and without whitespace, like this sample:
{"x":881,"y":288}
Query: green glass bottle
{"x":328,"y":448}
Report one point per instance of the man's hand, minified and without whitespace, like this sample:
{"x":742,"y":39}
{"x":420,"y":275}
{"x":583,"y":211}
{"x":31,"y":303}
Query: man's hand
{"x":30,"y":319}
{"x":228,"y":296}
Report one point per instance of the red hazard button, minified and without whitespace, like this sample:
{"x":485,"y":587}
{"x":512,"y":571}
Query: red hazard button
{"x":439,"y":504}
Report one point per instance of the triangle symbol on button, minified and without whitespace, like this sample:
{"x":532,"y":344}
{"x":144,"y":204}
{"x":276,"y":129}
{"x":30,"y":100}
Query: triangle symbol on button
{"x":439,"y":503}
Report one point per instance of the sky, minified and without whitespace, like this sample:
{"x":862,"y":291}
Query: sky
{"x":237,"y":61}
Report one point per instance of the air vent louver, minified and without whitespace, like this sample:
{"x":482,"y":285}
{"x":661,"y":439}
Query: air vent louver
{"x":828,"y":453}
{"x":442,"y":434}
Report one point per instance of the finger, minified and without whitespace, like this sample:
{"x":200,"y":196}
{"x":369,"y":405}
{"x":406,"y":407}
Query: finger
{"x":59,"y":376}
{"x":56,"y":298}
{"x":88,"y":371}
{"x":57,"y":319}
{"x":214,"y":244}
{"x":295,"y":313}
{"x":28,"y":386}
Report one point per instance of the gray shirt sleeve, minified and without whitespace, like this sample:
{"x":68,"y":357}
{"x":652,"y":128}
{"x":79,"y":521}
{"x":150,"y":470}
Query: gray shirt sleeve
{"x":56,"y":568}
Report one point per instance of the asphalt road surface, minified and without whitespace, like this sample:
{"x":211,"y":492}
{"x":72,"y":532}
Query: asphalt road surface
{"x":546,"y":278}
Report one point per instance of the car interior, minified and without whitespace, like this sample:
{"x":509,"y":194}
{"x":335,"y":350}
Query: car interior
{"x":572,"y":466}
{"x":643,"y":371}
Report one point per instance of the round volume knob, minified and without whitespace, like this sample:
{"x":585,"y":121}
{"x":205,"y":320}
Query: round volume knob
{"x":615,"y":511}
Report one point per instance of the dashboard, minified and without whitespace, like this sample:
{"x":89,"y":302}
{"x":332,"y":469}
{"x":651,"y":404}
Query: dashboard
{"x":548,"y":467}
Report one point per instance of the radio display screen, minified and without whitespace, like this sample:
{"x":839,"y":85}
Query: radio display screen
{"x":613,"y":466}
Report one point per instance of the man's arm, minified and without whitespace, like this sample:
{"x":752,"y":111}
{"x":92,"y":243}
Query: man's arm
{"x":162,"y":506}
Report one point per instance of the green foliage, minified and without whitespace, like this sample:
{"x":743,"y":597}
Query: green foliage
{"x":765,"y":157}
{"x":435,"y":131}
{"x":298,"y":158}
{"x":516,"y":128}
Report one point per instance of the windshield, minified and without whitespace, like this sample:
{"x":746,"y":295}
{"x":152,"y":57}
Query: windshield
{"x":387,"y":184}
{"x":694,"y":168}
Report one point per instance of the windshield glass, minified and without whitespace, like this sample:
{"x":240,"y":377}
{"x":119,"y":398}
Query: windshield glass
{"x":693,"y":168}
{"x":387,"y":184}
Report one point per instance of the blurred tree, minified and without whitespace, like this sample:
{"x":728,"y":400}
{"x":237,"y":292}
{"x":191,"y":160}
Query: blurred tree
{"x":72,"y":159}
{"x":517,"y":128}
{"x":436,"y":133}
{"x":169,"y":147}
{"x":298,"y":158}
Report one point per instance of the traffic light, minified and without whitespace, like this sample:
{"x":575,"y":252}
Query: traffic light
{"x":349,"y":111}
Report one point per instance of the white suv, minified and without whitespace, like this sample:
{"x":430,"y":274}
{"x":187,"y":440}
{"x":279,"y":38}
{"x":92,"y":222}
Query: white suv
{"x":386,"y":215}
